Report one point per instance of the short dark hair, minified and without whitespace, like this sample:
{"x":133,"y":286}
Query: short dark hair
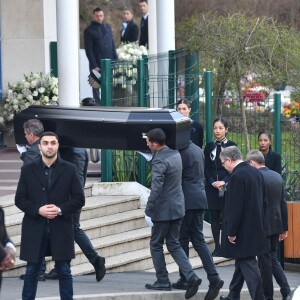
{"x":184,"y":101}
{"x":34,"y":126}
{"x":48,"y":133}
{"x":144,"y":1}
{"x":157,"y":135}
{"x":97,"y":9}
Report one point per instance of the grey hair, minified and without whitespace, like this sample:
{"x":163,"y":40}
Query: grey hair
{"x":232,"y":152}
{"x":256,"y":156}
{"x":34,"y":126}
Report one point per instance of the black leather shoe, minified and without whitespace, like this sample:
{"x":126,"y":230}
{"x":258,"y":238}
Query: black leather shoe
{"x":100,"y":268}
{"x":159,"y":286}
{"x":287,"y":297}
{"x":180,"y":284}
{"x":224,"y":298}
{"x":52,"y":274}
{"x":192,"y":287}
{"x":213,"y":290}
{"x":216,"y":253}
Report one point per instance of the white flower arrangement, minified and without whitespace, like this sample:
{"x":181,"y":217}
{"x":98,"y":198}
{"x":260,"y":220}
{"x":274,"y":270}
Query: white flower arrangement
{"x":125,"y":71}
{"x":34,"y":89}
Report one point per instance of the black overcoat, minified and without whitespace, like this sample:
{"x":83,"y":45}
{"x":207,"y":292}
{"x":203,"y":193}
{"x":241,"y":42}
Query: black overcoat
{"x":244,"y":214}
{"x":273,"y":161}
{"x":131,"y":33}
{"x":65,"y":192}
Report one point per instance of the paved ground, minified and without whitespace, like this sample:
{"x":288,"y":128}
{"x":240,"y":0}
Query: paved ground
{"x":127,"y":282}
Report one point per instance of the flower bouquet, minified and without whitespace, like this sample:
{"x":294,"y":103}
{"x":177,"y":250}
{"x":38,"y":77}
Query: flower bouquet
{"x":34,"y":89}
{"x":125,"y":70}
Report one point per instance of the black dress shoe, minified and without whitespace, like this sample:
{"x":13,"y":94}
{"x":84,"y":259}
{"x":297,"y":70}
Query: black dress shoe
{"x":159,"y":286}
{"x":181,"y":284}
{"x":216,"y":253}
{"x":100,"y":268}
{"x":224,"y":298}
{"x":52,"y":274}
{"x":287,"y":297}
{"x":192,"y":287}
{"x":213,"y":290}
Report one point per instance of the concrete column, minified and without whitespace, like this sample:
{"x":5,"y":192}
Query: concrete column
{"x":165,"y":25}
{"x":67,"y":12}
{"x":152,"y":27}
{"x":165,"y":11}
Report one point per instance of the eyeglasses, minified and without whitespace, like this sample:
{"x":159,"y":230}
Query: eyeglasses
{"x":223,"y":162}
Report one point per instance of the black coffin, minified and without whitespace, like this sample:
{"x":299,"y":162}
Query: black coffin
{"x":106,"y":127}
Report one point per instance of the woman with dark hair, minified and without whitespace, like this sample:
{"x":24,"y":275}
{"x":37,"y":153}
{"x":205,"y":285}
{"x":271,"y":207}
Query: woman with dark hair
{"x":272,"y":159}
{"x":7,"y":248}
{"x":184,"y":107}
{"x":216,"y":177}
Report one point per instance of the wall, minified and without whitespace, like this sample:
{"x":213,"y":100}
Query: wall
{"x":26,"y":37}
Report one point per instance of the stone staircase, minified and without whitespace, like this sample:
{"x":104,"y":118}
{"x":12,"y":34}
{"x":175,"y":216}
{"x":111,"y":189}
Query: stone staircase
{"x":116,"y":226}
{"x":113,"y":218}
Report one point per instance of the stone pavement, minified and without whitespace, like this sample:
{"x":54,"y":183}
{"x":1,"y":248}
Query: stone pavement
{"x":129,"y":285}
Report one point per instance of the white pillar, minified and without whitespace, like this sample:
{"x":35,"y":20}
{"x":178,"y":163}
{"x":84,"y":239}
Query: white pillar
{"x":152,"y":27}
{"x":165,"y":11}
{"x":67,"y":12}
{"x":165,"y":25}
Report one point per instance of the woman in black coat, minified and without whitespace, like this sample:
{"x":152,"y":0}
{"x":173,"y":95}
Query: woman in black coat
{"x":272,"y":159}
{"x":184,"y":107}
{"x":7,"y":249}
{"x":216,"y":177}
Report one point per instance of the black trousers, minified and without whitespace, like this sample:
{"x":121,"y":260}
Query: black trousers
{"x":246,"y":269}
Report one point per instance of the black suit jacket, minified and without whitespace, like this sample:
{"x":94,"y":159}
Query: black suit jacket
{"x":277,"y":208}
{"x":144,"y":33}
{"x":66,"y":192}
{"x":131,"y":33}
{"x":193,"y":177}
{"x":273,"y":161}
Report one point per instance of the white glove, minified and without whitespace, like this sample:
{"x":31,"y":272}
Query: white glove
{"x":21,"y":148}
{"x":148,"y":221}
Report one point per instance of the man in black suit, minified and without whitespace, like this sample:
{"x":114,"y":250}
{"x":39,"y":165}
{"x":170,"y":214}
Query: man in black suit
{"x":48,"y":193}
{"x":164,"y":212}
{"x":99,"y":44}
{"x":129,"y":31}
{"x":7,"y":248}
{"x":244,"y":224}
{"x":192,"y":224}
{"x":277,"y":227}
{"x":143,"y":6}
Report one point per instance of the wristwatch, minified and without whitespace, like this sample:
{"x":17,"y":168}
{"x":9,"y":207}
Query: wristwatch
{"x":59,"y":212}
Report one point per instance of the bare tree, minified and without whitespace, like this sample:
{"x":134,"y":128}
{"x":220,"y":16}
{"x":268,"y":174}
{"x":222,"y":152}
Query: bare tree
{"x":236,"y":45}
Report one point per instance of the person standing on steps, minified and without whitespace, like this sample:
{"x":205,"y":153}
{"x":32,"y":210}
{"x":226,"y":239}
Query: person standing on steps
{"x":216,"y":176}
{"x":48,"y":193}
{"x":33,"y":129}
{"x":164,"y":212}
{"x":192,"y":224}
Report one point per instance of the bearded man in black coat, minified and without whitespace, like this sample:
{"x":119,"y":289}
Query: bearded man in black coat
{"x":244,"y":225}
